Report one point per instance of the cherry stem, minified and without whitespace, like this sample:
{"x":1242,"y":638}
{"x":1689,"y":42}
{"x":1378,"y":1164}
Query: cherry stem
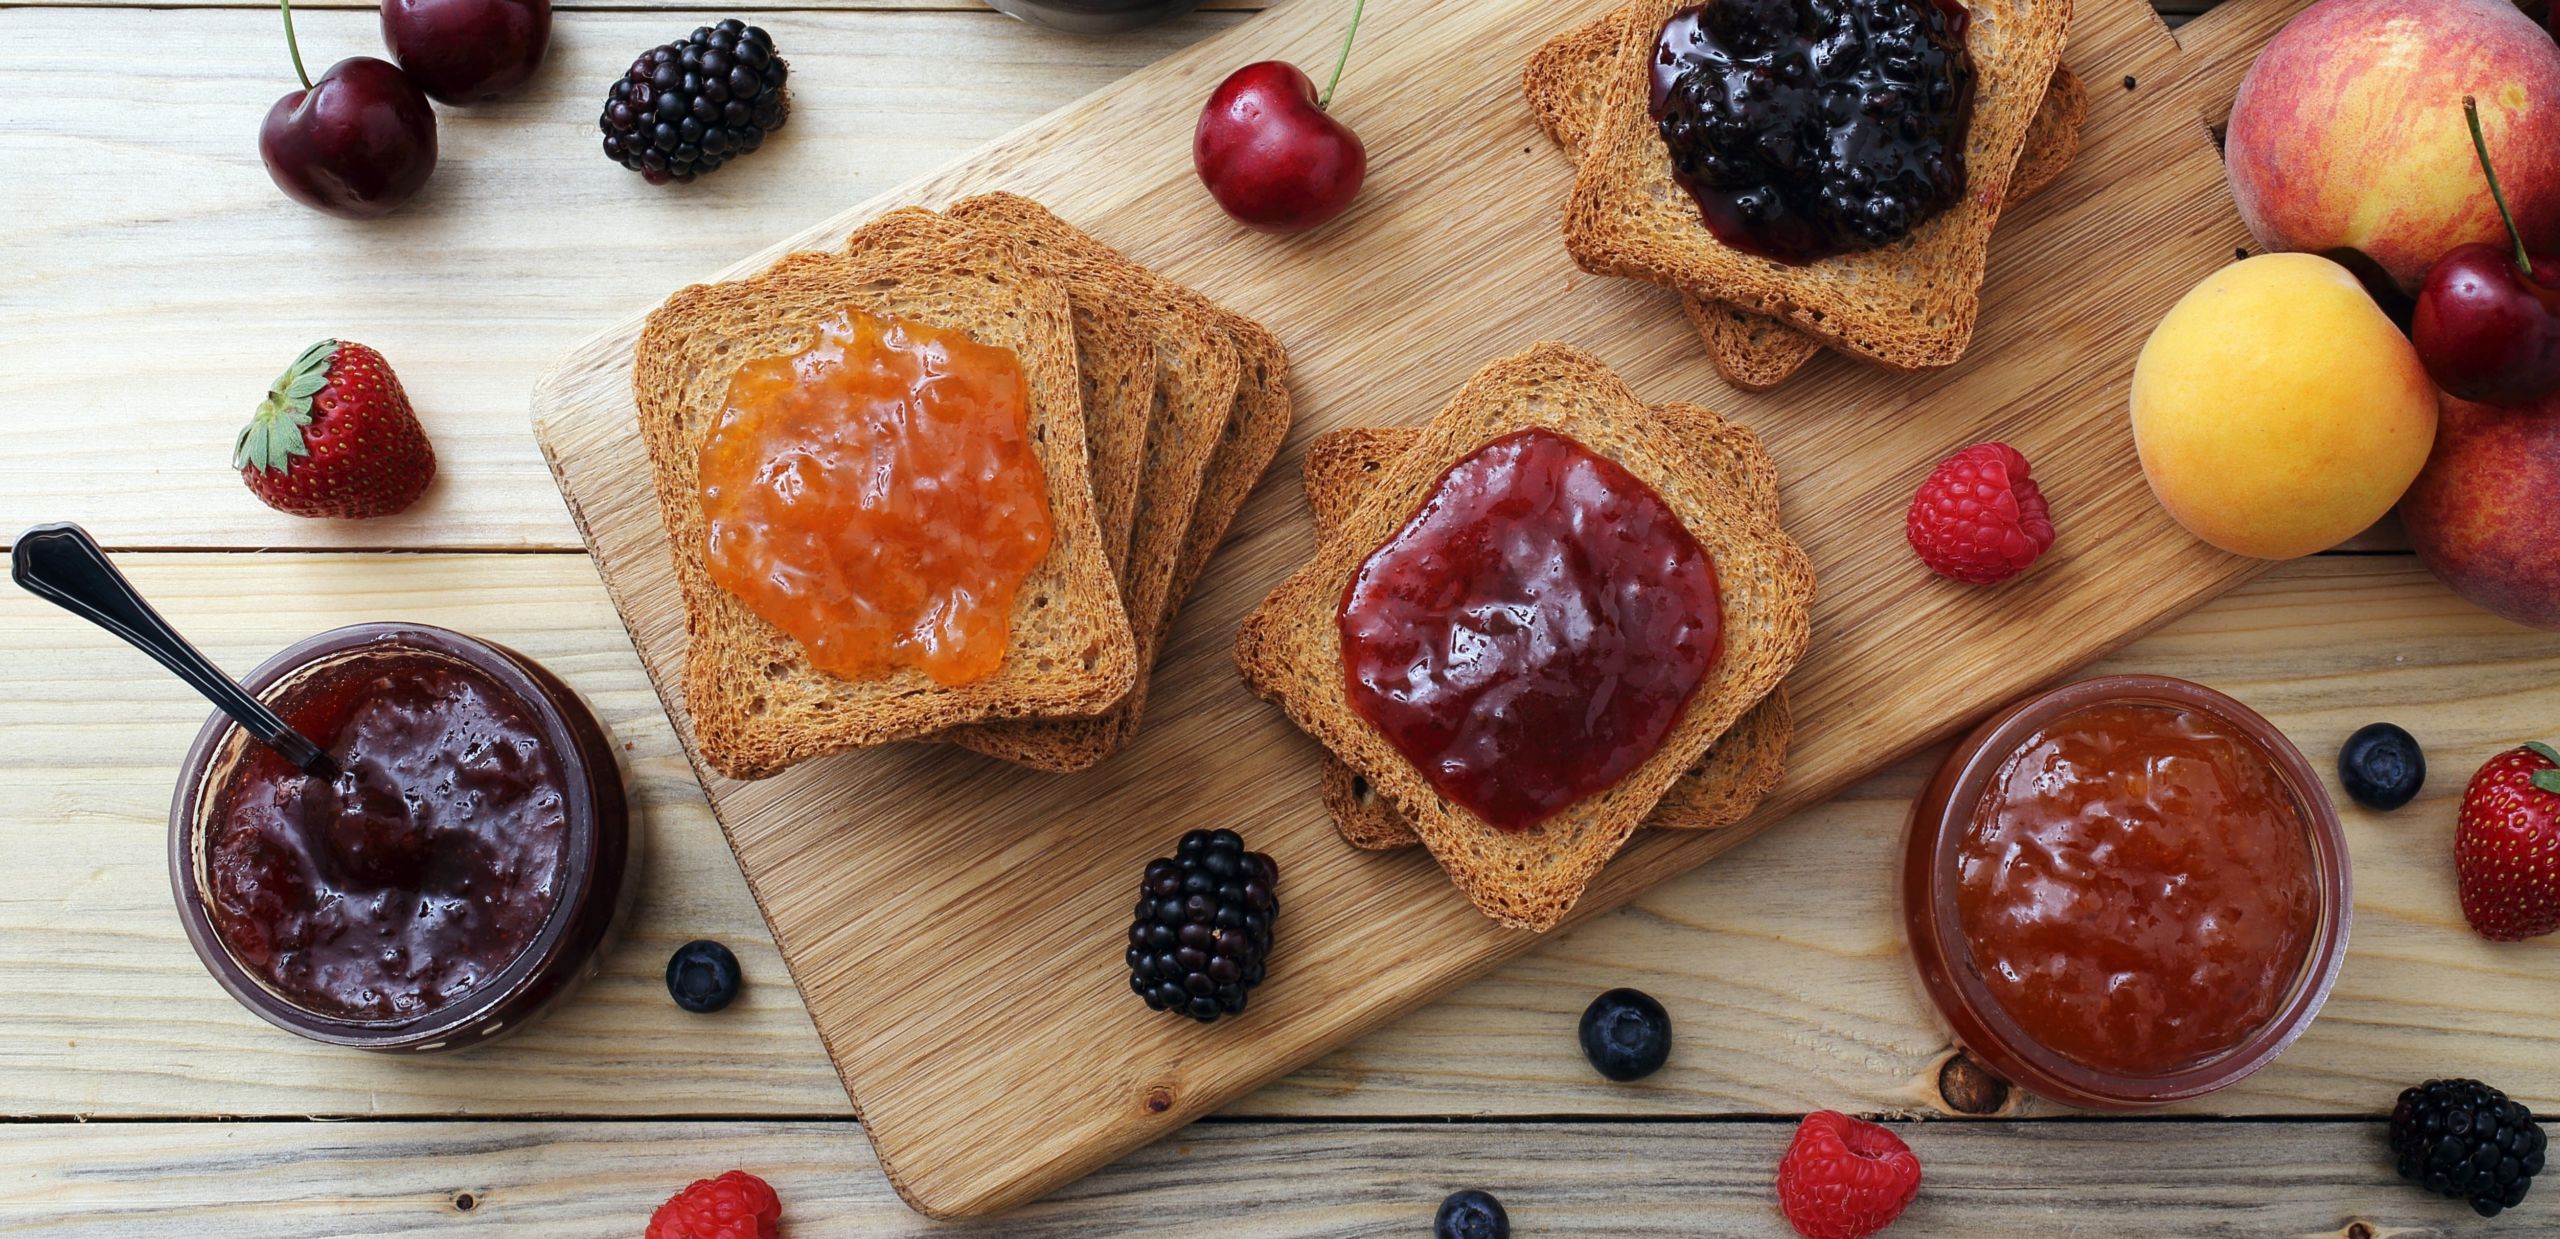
{"x":1357,"y":7}
{"x":2480,"y":145}
{"x":292,"y":45}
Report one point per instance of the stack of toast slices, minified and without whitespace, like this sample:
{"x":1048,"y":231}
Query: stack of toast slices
{"x":1153,"y":412}
{"x":1910,"y":306}
{"x":1726,"y":751}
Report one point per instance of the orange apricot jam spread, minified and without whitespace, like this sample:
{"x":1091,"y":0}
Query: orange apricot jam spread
{"x":876,"y":496}
{"x":2138,"y":888}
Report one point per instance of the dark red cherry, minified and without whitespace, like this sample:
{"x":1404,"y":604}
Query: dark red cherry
{"x":2487,"y":323}
{"x":2488,"y":331}
{"x":1271,"y":154}
{"x":463,"y":52}
{"x":356,"y":144}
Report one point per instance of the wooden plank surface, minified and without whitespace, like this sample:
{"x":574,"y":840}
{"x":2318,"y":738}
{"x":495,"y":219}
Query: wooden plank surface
{"x":157,"y":237}
{"x":2096,"y":1180}
{"x":157,"y":281}
{"x":895,"y":925}
{"x":1783,"y":961}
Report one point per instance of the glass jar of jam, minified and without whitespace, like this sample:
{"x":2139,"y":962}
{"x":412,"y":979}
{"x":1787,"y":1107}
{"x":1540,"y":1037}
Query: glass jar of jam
{"x":1094,"y":16}
{"x":458,"y":873}
{"x":2126,"y":892}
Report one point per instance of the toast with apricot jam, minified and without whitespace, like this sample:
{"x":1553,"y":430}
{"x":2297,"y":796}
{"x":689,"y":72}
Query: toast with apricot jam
{"x":1291,"y":648}
{"x":1151,"y":456}
{"x":1909,"y":303}
{"x":756,"y":701}
{"x":1725,"y":785}
{"x":1255,"y":422}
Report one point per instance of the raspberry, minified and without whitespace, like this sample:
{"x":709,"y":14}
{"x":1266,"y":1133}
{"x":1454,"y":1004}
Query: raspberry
{"x":1978,"y":519}
{"x":1843,"y":1179}
{"x":737,"y":1205}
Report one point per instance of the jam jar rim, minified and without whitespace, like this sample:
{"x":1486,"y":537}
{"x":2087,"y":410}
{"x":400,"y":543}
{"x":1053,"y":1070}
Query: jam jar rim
{"x":597,"y":841}
{"x":1943,"y":957}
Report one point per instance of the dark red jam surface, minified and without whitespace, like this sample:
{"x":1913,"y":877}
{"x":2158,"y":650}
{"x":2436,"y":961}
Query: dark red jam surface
{"x":1534,"y":630}
{"x":1807,"y":129}
{"x":421,"y":871}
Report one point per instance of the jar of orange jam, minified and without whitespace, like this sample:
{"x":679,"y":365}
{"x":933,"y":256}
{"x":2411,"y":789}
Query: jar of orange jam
{"x":2126,"y":892}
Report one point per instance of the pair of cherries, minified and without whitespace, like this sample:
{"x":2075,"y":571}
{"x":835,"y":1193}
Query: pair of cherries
{"x":2487,"y":323}
{"x":362,"y":140}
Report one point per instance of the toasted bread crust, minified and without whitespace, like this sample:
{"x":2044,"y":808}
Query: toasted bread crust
{"x":1911,"y":305}
{"x":1723,"y":788}
{"x":1150,"y":461}
{"x":756,"y":704}
{"x":1256,"y":423}
{"x":1289,"y":649}
{"x":1565,"y":82}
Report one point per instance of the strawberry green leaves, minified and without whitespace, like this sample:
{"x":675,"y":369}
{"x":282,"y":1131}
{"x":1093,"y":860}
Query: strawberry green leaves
{"x":273,"y":436}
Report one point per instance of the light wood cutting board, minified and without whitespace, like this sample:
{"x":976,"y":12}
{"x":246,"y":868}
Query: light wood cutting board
{"x":956,"y":925}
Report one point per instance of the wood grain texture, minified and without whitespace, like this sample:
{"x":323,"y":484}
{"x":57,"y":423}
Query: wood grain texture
{"x":159,"y":254}
{"x":2097,"y":1180}
{"x":1782,"y":962}
{"x":895,"y":922}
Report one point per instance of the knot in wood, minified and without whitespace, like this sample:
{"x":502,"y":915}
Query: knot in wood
{"x":1965,"y":1086}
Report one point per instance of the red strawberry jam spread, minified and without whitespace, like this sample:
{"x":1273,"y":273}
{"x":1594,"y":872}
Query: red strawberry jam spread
{"x":417,"y":874}
{"x":876,"y":496}
{"x":1532,"y":633}
{"x":2138,"y":887}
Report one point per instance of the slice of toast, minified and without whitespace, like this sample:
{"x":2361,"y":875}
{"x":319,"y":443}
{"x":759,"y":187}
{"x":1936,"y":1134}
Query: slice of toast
{"x":1565,"y":82}
{"x":1725,"y":785}
{"x":1910,"y":305}
{"x":1290,"y":648}
{"x":1256,"y":424}
{"x":756,"y":703}
{"x":1194,"y":375}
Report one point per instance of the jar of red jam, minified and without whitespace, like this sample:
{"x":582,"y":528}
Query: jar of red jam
{"x":457,"y":874}
{"x":2126,"y":892}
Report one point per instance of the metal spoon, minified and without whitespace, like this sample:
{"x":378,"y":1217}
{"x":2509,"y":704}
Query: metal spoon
{"x":63,"y":565}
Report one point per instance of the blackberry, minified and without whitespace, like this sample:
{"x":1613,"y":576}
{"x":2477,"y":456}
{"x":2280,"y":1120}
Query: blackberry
{"x":2464,"y":1139}
{"x":1807,"y":129}
{"x":685,"y":108}
{"x":1203,"y":927}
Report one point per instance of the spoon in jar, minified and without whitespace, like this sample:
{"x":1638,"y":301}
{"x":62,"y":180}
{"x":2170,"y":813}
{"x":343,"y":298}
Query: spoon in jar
{"x":63,"y":565}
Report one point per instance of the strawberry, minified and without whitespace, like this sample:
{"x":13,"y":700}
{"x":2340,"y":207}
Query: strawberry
{"x":335,"y":437}
{"x":2506,"y":852}
{"x":1845,"y":1179}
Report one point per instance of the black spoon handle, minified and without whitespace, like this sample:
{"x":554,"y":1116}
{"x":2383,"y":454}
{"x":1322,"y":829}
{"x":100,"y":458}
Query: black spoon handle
{"x":63,"y":565}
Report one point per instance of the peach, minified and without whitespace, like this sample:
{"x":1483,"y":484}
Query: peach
{"x":2277,"y":410}
{"x":2482,"y":517}
{"x":2348,"y":131}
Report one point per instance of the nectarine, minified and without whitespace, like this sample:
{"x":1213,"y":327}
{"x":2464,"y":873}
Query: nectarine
{"x":2485,"y":514}
{"x":2348,"y":132}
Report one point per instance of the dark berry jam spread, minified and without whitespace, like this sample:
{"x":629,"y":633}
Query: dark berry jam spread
{"x":417,"y":874}
{"x":1807,"y":129}
{"x":1533,"y":632}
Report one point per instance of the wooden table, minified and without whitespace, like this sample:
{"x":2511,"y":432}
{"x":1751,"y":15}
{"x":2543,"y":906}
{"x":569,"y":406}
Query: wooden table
{"x":156,"y":281}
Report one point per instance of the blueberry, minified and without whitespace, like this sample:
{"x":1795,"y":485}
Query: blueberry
{"x":703,"y":977}
{"x":1471,"y":1215}
{"x":2382,"y":767}
{"x":1626,"y":1034}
